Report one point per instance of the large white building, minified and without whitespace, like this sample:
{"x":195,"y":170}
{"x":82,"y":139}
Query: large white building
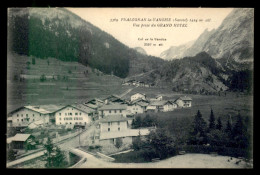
{"x":25,"y":115}
{"x":74,"y":115}
{"x":138,"y":96}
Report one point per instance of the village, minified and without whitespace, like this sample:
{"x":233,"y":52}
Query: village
{"x":105,"y":120}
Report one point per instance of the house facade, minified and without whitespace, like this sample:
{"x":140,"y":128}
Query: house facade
{"x":113,"y":128}
{"x":135,"y":108}
{"x":23,"y":116}
{"x":184,"y":102}
{"x":21,"y":141}
{"x":169,"y":106}
{"x":138,"y":96}
{"x":74,"y":115}
{"x":113,"y":109}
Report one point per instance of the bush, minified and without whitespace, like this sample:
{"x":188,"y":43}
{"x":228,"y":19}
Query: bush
{"x":91,"y":147}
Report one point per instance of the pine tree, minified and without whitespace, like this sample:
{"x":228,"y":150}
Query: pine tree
{"x":212,"y":124}
{"x":228,"y":129}
{"x":33,"y":60}
{"x":200,"y":124}
{"x":54,"y":157}
{"x":198,"y":133}
{"x":219,"y":124}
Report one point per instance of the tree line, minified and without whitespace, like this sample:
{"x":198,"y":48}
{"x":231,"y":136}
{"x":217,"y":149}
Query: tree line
{"x":203,"y":137}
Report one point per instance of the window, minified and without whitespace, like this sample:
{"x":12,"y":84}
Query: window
{"x":26,"y":115}
{"x":80,"y":123}
{"x":109,"y":111}
{"x":60,"y":114}
{"x":118,"y":123}
{"x":120,"y":111}
{"x":80,"y":113}
{"x":60,"y":118}
{"x":76,"y":123}
{"x":70,"y":122}
{"x":22,"y":115}
{"x":108,"y":129}
{"x":17,"y":115}
{"x":40,"y":114}
{"x":118,"y":129}
{"x":33,"y":119}
{"x":109,"y":123}
{"x":85,"y":123}
{"x":76,"y":113}
{"x":22,"y":119}
{"x":60,"y":123}
{"x":33,"y":115}
{"x":66,"y":114}
{"x":18,"y":120}
{"x":115,"y":111}
{"x":71,"y":108}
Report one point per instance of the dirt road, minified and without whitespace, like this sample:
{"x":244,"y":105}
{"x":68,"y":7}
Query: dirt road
{"x":180,"y":161}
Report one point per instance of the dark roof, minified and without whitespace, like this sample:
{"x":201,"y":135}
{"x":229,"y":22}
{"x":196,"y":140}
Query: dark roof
{"x":113,"y":118}
{"x":113,"y":98}
{"x":139,"y":100}
{"x":159,"y":103}
{"x":94,"y":101}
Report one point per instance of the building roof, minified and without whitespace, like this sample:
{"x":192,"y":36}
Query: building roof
{"x":127,"y":133}
{"x":138,"y":93}
{"x":20,"y":137}
{"x":94,"y":101}
{"x":142,"y":104}
{"x":139,"y":100}
{"x":113,"y":118}
{"x":113,"y":106}
{"x":51,"y":108}
{"x":160,"y":103}
{"x":80,"y":107}
{"x":83,"y":108}
{"x":91,"y":105}
{"x":113,"y":98}
{"x":38,"y":109}
{"x":185,"y":98}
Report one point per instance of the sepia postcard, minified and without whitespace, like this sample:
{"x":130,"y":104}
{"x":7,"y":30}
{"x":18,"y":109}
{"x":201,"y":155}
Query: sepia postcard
{"x":130,"y":88}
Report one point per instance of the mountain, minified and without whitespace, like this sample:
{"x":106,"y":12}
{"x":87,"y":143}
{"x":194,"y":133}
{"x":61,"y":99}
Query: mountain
{"x":197,"y":46}
{"x":58,"y":33}
{"x":175,"y":52}
{"x":201,"y":74}
{"x":232,"y":41}
{"x":140,"y":50}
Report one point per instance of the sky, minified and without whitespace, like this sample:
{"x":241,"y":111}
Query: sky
{"x":132,"y":35}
